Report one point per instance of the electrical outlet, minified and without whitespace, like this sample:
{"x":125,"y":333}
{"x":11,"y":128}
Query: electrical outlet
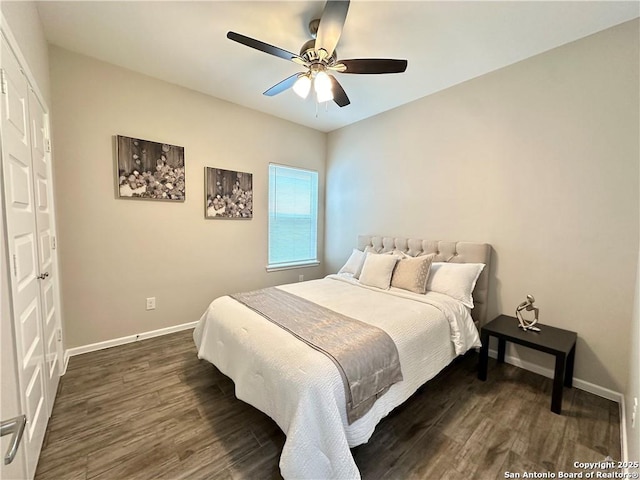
{"x":151,"y":303}
{"x":301,"y":278}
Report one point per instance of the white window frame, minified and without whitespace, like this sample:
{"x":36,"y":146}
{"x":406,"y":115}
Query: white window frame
{"x":311,"y":262}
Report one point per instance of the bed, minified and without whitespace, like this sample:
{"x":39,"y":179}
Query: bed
{"x":303,"y":391}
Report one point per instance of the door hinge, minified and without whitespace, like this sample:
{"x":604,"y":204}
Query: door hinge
{"x":53,"y":243}
{"x":15,"y":266}
{"x":59,"y":335}
{"x":3,"y":81}
{"x":47,"y":145}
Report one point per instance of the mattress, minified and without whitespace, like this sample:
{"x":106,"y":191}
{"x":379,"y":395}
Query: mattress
{"x":301,"y":389}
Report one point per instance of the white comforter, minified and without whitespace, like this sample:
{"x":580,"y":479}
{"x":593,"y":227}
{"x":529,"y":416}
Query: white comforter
{"x":301,"y":389}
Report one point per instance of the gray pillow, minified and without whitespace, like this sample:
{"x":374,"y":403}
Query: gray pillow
{"x":412,"y":273}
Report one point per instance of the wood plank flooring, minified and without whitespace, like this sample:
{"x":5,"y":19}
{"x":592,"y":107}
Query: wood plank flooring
{"x":152,"y":410}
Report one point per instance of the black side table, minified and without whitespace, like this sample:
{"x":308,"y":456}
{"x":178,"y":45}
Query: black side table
{"x":555,"y":341}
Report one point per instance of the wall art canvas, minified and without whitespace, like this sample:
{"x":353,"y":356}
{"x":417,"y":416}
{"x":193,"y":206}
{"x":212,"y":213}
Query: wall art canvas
{"x":150,"y":170}
{"x":229,"y":194}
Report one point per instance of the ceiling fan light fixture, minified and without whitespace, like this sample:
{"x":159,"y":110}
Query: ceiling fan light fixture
{"x":322,"y":86}
{"x":302,"y":86}
{"x":324,"y":96}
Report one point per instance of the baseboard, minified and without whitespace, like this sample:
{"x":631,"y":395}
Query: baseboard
{"x":124,"y":340}
{"x":65,"y":362}
{"x":548,"y":372}
{"x":623,"y":433}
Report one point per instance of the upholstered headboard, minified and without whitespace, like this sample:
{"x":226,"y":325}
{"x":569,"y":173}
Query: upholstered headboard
{"x":459,"y":252}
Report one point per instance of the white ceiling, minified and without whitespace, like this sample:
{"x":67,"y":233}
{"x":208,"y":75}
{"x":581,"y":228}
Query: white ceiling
{"x":445,"y":43}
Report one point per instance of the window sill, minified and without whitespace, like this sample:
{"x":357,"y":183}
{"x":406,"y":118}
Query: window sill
{"x":291,"y":266}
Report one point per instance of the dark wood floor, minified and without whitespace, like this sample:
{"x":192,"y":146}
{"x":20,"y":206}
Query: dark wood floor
{"x":152,"y":410}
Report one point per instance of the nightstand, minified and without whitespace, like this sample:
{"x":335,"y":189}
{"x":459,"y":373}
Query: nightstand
{"x":555,"y":341}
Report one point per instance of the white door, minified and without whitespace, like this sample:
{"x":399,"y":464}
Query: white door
{"x":9,"y":394}
{"x":23,"y":256}
{"x":45,"y":236}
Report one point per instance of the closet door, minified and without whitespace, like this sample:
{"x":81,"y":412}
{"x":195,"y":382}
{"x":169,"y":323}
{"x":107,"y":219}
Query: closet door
{"x":23,"y":253}
{"x":45,"y":235}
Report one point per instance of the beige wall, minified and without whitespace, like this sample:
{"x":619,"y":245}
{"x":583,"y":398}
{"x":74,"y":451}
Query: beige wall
{"x":539,"y":159}
{"x":633,"y":387}
{"x":115,"y":253}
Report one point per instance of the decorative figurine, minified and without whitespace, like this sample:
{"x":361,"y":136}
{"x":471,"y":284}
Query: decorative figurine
{"x":528,"y":306}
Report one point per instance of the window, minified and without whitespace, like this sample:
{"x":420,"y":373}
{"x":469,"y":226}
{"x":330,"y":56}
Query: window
{"x":293,"y":217}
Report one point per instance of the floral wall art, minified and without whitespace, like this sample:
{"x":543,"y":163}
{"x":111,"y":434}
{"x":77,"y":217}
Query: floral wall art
{"x":150,"y":170}
{"x":229,"y":194}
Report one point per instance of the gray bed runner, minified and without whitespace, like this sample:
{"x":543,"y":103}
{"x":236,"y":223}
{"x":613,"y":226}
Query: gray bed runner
{"x":366,"y":356}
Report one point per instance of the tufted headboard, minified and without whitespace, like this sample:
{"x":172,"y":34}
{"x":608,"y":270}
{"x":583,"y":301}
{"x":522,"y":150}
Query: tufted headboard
{"x":460,"y":252}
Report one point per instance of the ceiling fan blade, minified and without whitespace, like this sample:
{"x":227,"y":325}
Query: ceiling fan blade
{"x":339,"y":95}
{"x":374,"y":65}
{"x":331,"y":23}
{"x":263,"y":47}
{"x":285,"y":84}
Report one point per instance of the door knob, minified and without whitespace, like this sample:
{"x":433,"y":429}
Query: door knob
{"x":15,"y":426}
{"x":43,"y":276}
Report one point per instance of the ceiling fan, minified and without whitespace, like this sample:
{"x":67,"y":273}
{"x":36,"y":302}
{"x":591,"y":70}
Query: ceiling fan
{"x":319,"y":58}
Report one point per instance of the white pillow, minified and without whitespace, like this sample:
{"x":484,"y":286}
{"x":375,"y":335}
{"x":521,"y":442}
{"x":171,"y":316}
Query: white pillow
{"x":377,"y":270}
{"x":455,"y":279}
{"x":354,"y":264}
